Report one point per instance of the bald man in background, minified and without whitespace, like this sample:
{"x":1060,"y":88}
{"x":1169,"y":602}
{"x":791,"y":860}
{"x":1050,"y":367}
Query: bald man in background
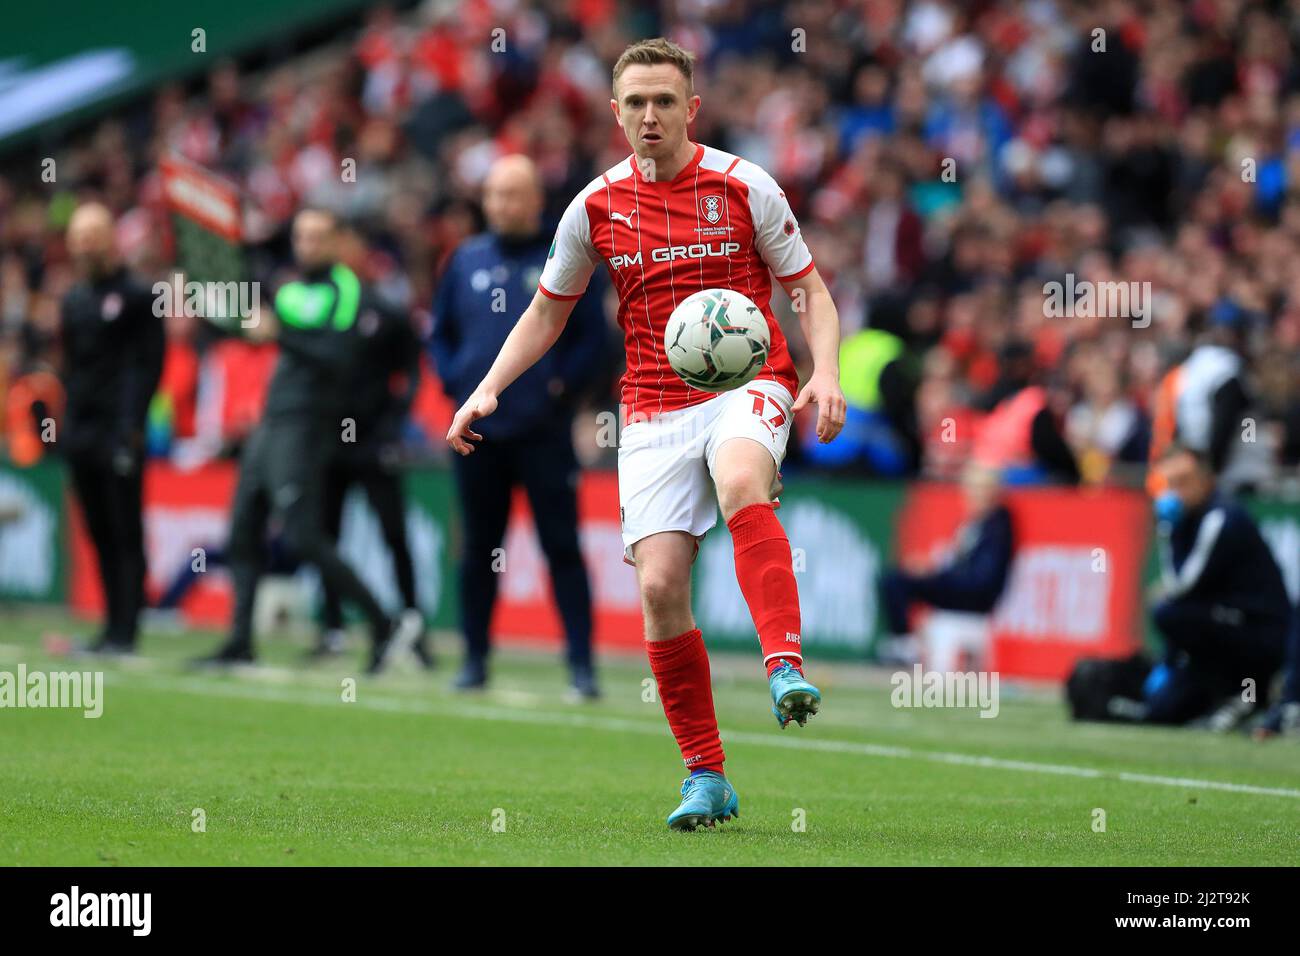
{"x":112,"y":360}
{"x":528,"y":442}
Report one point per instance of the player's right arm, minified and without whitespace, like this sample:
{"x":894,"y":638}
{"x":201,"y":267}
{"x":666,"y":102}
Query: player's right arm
{"x":535,"y":332}
{"x":569,"y":265}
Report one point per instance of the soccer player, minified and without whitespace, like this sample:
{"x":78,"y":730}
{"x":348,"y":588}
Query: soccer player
{"x":672,"y":219}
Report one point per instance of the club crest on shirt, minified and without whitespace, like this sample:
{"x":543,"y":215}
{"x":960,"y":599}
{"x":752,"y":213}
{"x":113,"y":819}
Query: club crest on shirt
{"x":711,"y":208}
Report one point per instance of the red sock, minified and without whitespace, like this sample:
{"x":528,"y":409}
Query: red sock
{"x":681,"y":669}
{"x":766,"y":574}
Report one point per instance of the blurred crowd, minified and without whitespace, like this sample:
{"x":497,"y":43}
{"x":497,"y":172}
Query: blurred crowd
{"x":946,"y":161}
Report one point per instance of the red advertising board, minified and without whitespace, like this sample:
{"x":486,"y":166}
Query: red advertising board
{"x":1075,"y":586}
{"x":185,"y":510}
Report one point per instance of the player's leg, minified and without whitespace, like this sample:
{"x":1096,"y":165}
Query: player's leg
{"x":337,"y":479}
{"x":298,"y":458}
{"x":667,"y":502}
{"x":89,"y":478}
{"x":128,"y":517}
{"x":384,"y":492}
{"x":383,"y":488}
{"x":483,"y":483}
{"x":246,"y":551}
{"x":680,"y":664}
{"x":549,"y":471}
{"x":746,"y":446}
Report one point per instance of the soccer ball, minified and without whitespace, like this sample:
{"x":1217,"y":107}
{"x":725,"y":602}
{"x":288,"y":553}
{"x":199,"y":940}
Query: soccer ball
{"x":716,"y":340}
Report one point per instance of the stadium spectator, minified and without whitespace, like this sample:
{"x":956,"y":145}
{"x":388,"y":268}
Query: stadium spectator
{"x":879,"y":435}
{"x":1105,"y":429}
{"x":112,"y":360}
{"x":1221,"y":605}
{"x":971,"y":580}
{"x":529,"y":441}
{"x":1020,"y":435}
{"x":951,"y":156}
{"x":1203,"y":404}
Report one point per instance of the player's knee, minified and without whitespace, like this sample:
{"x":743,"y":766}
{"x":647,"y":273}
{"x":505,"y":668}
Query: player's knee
{"x":740,"y":486}
{"x":664,"y":592}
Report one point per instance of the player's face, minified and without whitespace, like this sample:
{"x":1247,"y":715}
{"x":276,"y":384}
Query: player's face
{"x":313,"y":239}
{"x":654,"y":108}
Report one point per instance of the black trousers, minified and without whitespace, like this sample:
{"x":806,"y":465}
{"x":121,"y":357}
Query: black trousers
{"x":111,"y":500}
{"x":282,"y":472}
{"x":383,"y":490}
{"x":899,"y":590}
{"x":1215,"y":648}
{"x":545,"y":465}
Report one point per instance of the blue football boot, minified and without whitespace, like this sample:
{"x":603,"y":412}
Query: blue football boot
{"x":793,"y":698}
{"x":706,"y":798}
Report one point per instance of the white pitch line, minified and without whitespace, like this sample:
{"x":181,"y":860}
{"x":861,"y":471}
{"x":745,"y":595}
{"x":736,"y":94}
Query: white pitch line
{"x":464,"y":708}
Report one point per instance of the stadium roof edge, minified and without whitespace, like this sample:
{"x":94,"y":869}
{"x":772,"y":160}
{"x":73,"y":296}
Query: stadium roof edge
{"x":62,"y":78}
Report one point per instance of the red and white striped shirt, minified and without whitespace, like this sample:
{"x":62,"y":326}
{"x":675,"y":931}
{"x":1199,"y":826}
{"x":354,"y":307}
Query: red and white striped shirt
{"x":721,"y":223}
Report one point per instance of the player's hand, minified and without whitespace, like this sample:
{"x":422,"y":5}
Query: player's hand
{"x":460,"y":435}
{"x":824,"y":391}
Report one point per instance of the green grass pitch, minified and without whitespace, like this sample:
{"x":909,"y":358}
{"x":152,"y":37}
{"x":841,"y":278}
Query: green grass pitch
{"x":287,"y":772}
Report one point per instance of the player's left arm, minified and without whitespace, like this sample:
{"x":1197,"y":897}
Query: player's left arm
{"x":820,"y":321}
{"x":780,"y":245}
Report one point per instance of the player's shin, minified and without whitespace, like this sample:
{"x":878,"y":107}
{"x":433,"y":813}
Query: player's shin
{"x":765,"y":572}
{"x":681,"y":669}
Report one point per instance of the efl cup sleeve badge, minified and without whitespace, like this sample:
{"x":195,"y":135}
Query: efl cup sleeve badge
{"x":711,"y":209}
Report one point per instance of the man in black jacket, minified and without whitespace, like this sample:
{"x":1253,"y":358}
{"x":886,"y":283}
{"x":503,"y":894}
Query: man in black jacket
{"x":1222,"y":610}
{"x":379,"y":390}
{"x":282,"y":467}
{"x":112,"y":359}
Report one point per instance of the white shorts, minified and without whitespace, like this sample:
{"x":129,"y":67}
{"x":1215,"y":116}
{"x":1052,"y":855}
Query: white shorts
{"x":665,"y":464}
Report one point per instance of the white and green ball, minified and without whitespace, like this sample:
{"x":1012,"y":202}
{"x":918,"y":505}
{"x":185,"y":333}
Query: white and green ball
{"x":716,"y":340}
